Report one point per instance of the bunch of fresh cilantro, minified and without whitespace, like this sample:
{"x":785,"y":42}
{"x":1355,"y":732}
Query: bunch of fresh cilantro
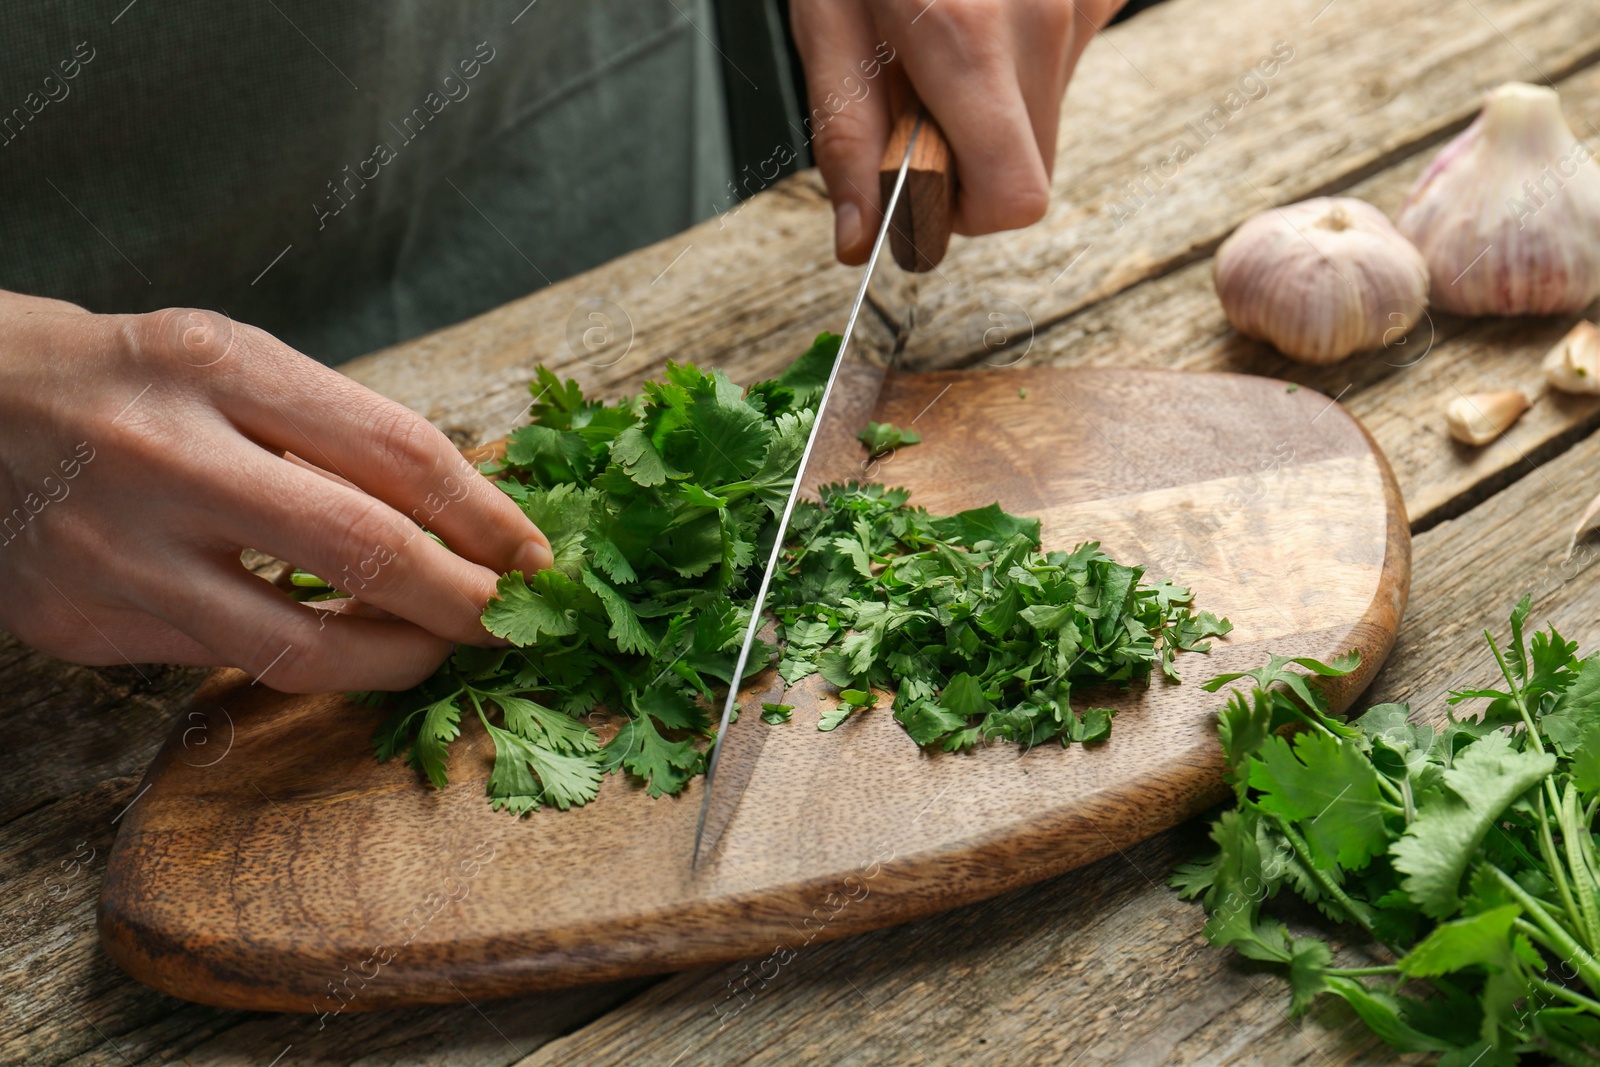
{"x":659,"y":507}
{"x":1466,"y":852}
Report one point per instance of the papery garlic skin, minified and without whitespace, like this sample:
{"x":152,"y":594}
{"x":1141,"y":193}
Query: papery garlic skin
{"x":1321,"y":279}
{"x":1573,"y":365}
{"x":1508,"y":214}
{"x":1480,"y":418}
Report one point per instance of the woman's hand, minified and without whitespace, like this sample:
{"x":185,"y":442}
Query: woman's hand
{"x":140,"y":453}
{"x":992,"y":72}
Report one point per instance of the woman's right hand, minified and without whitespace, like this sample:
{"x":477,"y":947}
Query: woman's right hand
{"x":140,"y":453}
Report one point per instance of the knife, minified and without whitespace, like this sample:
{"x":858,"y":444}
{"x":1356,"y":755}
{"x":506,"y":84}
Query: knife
{"x":917,"y":185}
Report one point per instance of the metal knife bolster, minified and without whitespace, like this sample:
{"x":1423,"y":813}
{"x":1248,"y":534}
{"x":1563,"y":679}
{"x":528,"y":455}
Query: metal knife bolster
{"x":715,"y":809}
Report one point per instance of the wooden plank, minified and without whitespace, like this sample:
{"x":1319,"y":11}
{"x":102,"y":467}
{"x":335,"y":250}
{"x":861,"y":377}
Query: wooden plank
{"x":752,"y":287}
{"x":67,"y":727}
{"x":1096,"y":967}
{"x":1399,"y":395}
{"x":62,"y":1000}
{"x":1106,"y":964}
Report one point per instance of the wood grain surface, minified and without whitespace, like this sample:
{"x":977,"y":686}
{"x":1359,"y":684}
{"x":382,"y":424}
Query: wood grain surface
{"x":291,"y":872}
{"x":1100,"y":966}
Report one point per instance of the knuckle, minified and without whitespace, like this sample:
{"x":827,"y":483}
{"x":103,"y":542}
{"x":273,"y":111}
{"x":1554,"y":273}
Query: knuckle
{"x":193,"y":336}
{"x":973,"y":19}
{"x":362,"y":542}
{"x":407,"y":442}
{"x":843,"y":137}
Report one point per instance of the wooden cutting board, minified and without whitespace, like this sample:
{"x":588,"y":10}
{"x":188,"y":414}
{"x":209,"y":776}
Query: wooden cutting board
{"x":271,"y":863}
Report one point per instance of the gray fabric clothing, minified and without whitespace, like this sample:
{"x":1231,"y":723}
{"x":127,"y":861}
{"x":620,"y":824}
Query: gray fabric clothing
{"x":347,"y":175}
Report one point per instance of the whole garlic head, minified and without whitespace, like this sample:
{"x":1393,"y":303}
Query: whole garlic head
{"x":1508,"y":214}
{"x":1321,"y":279}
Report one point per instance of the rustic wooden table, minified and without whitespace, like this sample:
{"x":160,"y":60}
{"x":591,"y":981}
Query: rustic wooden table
{"x":1104,"y":965}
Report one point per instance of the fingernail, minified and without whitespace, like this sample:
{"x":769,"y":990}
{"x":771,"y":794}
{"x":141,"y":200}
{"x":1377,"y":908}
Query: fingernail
{"x":846,"y":227}
{"x":532,"y":556}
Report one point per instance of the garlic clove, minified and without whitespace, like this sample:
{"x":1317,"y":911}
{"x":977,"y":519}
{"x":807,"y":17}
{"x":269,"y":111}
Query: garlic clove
{"x":1321,"y":279}
{"x":1508,"y":214}
{"x":1480,"y":418}
{"x":1573,"y":365}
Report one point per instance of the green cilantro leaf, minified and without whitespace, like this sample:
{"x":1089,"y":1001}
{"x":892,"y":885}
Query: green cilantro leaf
{"x":562,"y":780}
{"x":881,"y":437}
{"x":441,"y":724}
{"x":1328,"y":786}
{"x":664,"y":766}
{"x":522,"y":613}
{"x":1438,"y":846}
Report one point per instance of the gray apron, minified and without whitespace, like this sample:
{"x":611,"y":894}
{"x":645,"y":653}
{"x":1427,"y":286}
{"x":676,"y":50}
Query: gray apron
{"x":347,"y":175}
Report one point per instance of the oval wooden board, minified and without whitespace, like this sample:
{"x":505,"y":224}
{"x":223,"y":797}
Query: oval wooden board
{"x":271,"y":863}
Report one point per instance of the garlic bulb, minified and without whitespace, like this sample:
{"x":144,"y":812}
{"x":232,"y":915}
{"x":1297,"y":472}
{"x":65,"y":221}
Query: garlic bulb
{"x":1508,"y":214}
{"x":1321,"y":279}
{"x":1479,"y":419}
{"x":1573,"y":365}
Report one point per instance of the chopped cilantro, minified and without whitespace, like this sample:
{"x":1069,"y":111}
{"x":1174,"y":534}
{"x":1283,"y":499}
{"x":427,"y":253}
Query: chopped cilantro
{"x":967,"y":620}
{"x":881,"y":437}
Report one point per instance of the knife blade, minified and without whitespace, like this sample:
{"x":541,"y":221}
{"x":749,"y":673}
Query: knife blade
{"x":739,"y":742}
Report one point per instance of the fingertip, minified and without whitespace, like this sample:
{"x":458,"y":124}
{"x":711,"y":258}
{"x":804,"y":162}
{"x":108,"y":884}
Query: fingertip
{"x":848,"y":233}
{"x":534,"y":555}
{"x":1001,"y":203}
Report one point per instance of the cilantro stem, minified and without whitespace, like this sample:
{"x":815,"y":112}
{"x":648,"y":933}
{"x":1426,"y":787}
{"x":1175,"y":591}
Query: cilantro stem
{"x":476,"y":706}
{"x":1303,"y":851}
{"x":1568,"y":1054}
{"x":1516,"y":694}
{"x":1364,"y":972}
{"x":1402,"y":800}
{"x":1558,"y":990}
{"x":1583,"y":915}
{"x":1553,"y":935}
{"x":1552,"y":859}
{"x":1580,"y":867}
{"x":1310,"y":720}
{"x":1590,"y":855}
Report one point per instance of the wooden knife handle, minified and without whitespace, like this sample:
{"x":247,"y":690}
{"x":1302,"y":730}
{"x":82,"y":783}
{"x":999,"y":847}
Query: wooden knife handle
{"x":920,"y":230}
